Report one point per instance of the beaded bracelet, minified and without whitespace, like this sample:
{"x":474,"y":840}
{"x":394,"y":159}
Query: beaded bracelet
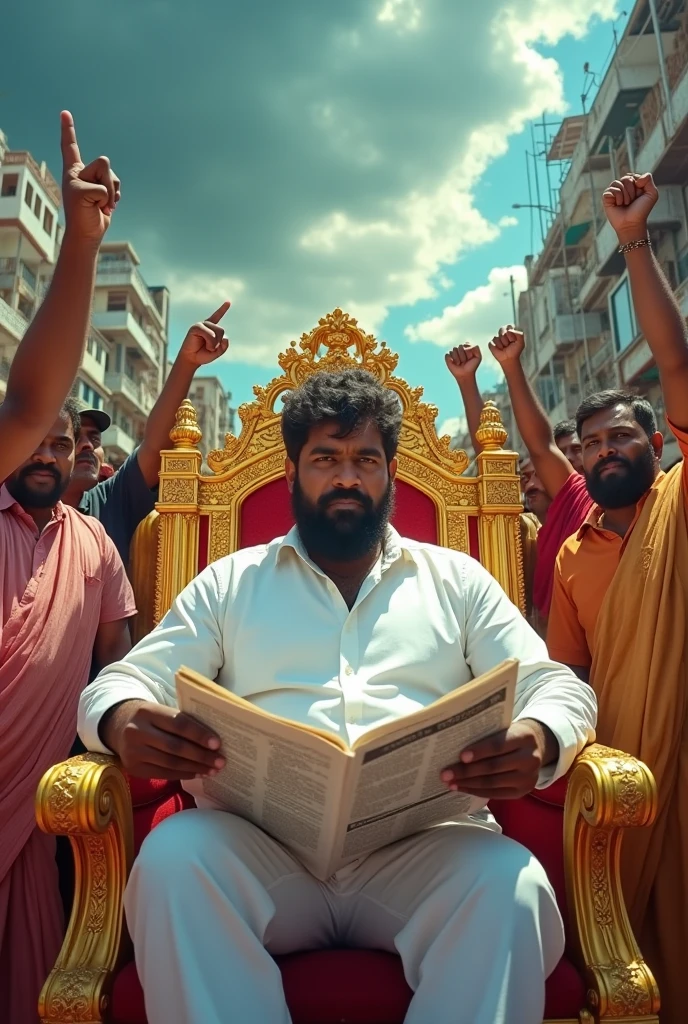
{"x":637,"y":244}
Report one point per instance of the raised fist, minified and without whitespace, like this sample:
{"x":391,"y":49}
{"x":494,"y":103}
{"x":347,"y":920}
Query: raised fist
{"x":463,"y":361}
{"x":508,"y":345}
{"x":89,"y":193}
{"x":627,"y":203}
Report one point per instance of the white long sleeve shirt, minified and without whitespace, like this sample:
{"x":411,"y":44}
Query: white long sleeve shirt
{"x":269,"y":625}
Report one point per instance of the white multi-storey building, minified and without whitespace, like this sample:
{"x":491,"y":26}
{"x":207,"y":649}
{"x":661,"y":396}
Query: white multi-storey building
{"x":124,"y":364}
{"x":132,"y":319}
{"x":29,"y":238}
{"x":577,"y":310}
{"x":211,"y":403}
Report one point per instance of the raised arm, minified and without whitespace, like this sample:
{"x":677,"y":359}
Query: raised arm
{"x":49,"y":354}
{"x":551,"y":465}
{"x":204,"y":343}
{"x":627,"y":204}
{"x":463,"y":362}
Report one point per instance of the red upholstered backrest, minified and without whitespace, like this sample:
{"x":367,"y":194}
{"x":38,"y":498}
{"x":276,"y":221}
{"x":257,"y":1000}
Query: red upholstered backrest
{"x":266,"y":514}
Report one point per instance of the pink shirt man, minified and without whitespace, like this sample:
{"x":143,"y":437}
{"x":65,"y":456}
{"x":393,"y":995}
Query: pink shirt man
{"x":56,"y":589}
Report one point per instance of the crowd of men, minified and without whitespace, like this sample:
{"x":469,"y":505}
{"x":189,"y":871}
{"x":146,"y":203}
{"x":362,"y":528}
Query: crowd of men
{"x":342,"y":624}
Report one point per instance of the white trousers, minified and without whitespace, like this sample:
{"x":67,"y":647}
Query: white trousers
{"x":211,"y":897}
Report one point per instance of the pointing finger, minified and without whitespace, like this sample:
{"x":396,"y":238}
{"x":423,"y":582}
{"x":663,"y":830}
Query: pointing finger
{"x":215,"y":317}
{"x":68,"y":143}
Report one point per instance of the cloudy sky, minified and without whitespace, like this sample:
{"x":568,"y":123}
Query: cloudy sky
{"x":296,"y":155}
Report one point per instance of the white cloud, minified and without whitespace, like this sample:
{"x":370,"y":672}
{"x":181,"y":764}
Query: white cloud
{"x":508,"y":222}
{"x":453,"y":425}
{"x":203,"y":290}
{"x":331,"y":159}
{"x":477,"y":317}
{"x":404,"y":14}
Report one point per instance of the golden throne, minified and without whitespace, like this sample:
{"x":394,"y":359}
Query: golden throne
{"x":575,"y":828}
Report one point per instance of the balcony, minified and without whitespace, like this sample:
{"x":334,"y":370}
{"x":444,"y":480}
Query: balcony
{"x":122,"y":273}
{"x":603,"y":356}
{"x":118,"y":322}
{"x":117,"y":441}
{"x":630,"y":76}
{"x":133,"y":391}
{"x":12,"y":321}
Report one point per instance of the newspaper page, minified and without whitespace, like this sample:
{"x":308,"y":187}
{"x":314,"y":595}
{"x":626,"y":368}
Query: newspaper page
{"x":396,"y":789}
{"x":288,"y":781}
{"x":327,"y":803}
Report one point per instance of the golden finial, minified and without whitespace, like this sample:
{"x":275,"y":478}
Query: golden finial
{"x":491,"y":434}
{"x":186,"y":432}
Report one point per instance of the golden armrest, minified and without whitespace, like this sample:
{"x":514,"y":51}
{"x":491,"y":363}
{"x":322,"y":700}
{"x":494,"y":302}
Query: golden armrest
{"x":608,"y":791}
{"x":87,"y":798}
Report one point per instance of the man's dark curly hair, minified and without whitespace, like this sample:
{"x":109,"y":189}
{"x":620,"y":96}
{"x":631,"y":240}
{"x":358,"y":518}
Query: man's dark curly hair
{"x":71,"y":410}
{"x":643,"y":413}
{"x":349,"y":398}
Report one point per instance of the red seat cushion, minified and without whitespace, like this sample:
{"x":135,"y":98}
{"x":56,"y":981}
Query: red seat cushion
{"x":319,"y":990}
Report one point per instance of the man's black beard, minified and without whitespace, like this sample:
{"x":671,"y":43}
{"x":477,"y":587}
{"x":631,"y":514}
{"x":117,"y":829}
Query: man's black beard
{"x":622,"y":490}
{"x":345,"y":534}
{"x":22,"y":491}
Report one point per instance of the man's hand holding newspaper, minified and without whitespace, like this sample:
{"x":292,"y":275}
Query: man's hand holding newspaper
{"x":506,"y":765}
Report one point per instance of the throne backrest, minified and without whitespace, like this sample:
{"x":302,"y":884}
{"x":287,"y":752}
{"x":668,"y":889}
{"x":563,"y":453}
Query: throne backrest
{"x":244,"y":500}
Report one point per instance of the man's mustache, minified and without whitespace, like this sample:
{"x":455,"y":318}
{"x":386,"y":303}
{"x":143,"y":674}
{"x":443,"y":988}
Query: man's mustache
{"x":39,"y":467}
{"x":328,"y":499}
{"x":611,"y":460}
{"x":90,"y":459}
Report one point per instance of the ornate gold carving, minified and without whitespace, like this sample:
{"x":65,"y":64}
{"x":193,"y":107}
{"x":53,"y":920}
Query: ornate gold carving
{"x":179,"y":491}
{"x":457,"y":532}
{"x":87,"y":798}
{"x":497,"y":466}
{"x":76,"y":997}
{"x":491,"y":434}
{"x":503,"y":492}
{"x":186,"y":432}
{"x":627,"y":990}
{"x":520,"y":564}
{"x":220,"y":536}
{"x":599,"y":881}
{"x":337,"y":343}
{"x":185,"y":465}
{"x":608,"y":791}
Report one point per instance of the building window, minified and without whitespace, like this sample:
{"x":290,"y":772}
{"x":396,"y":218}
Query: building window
{"x":117,"y":301}
{"x":48,"y":222}
{"x":9,"y":184}
{"x":28,"y":194}
{"x":37,"y":206}
{"x":29,"y":276}
{"x":623,"y":317}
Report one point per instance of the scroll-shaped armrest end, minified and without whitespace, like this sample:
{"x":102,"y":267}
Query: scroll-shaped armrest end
{"x":608,"y":792}
{"x":87,"y":799}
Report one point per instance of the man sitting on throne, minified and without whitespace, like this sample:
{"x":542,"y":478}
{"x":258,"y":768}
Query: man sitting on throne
{"x":344,"y":625}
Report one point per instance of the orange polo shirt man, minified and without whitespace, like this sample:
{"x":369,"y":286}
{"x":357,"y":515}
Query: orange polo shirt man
{"x":588,"y":560}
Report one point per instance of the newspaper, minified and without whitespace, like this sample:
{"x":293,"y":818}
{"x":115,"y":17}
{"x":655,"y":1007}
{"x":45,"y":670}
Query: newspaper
{"x":330,"y":803}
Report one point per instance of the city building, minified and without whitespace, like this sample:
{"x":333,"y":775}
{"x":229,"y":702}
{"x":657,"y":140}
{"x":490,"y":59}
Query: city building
{"x":29,"y":239}
{"x":577,"y":310}
{"x":126,"y":360}
{"x":215,"y":418}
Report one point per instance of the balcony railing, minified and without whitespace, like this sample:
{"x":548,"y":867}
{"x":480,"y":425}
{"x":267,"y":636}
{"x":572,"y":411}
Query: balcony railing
{"x":23,"y":158}
{"x":8,"y":265}
{"x":604,"y":355}
{"x":12,"y":320}
{"x":131,"y":389}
